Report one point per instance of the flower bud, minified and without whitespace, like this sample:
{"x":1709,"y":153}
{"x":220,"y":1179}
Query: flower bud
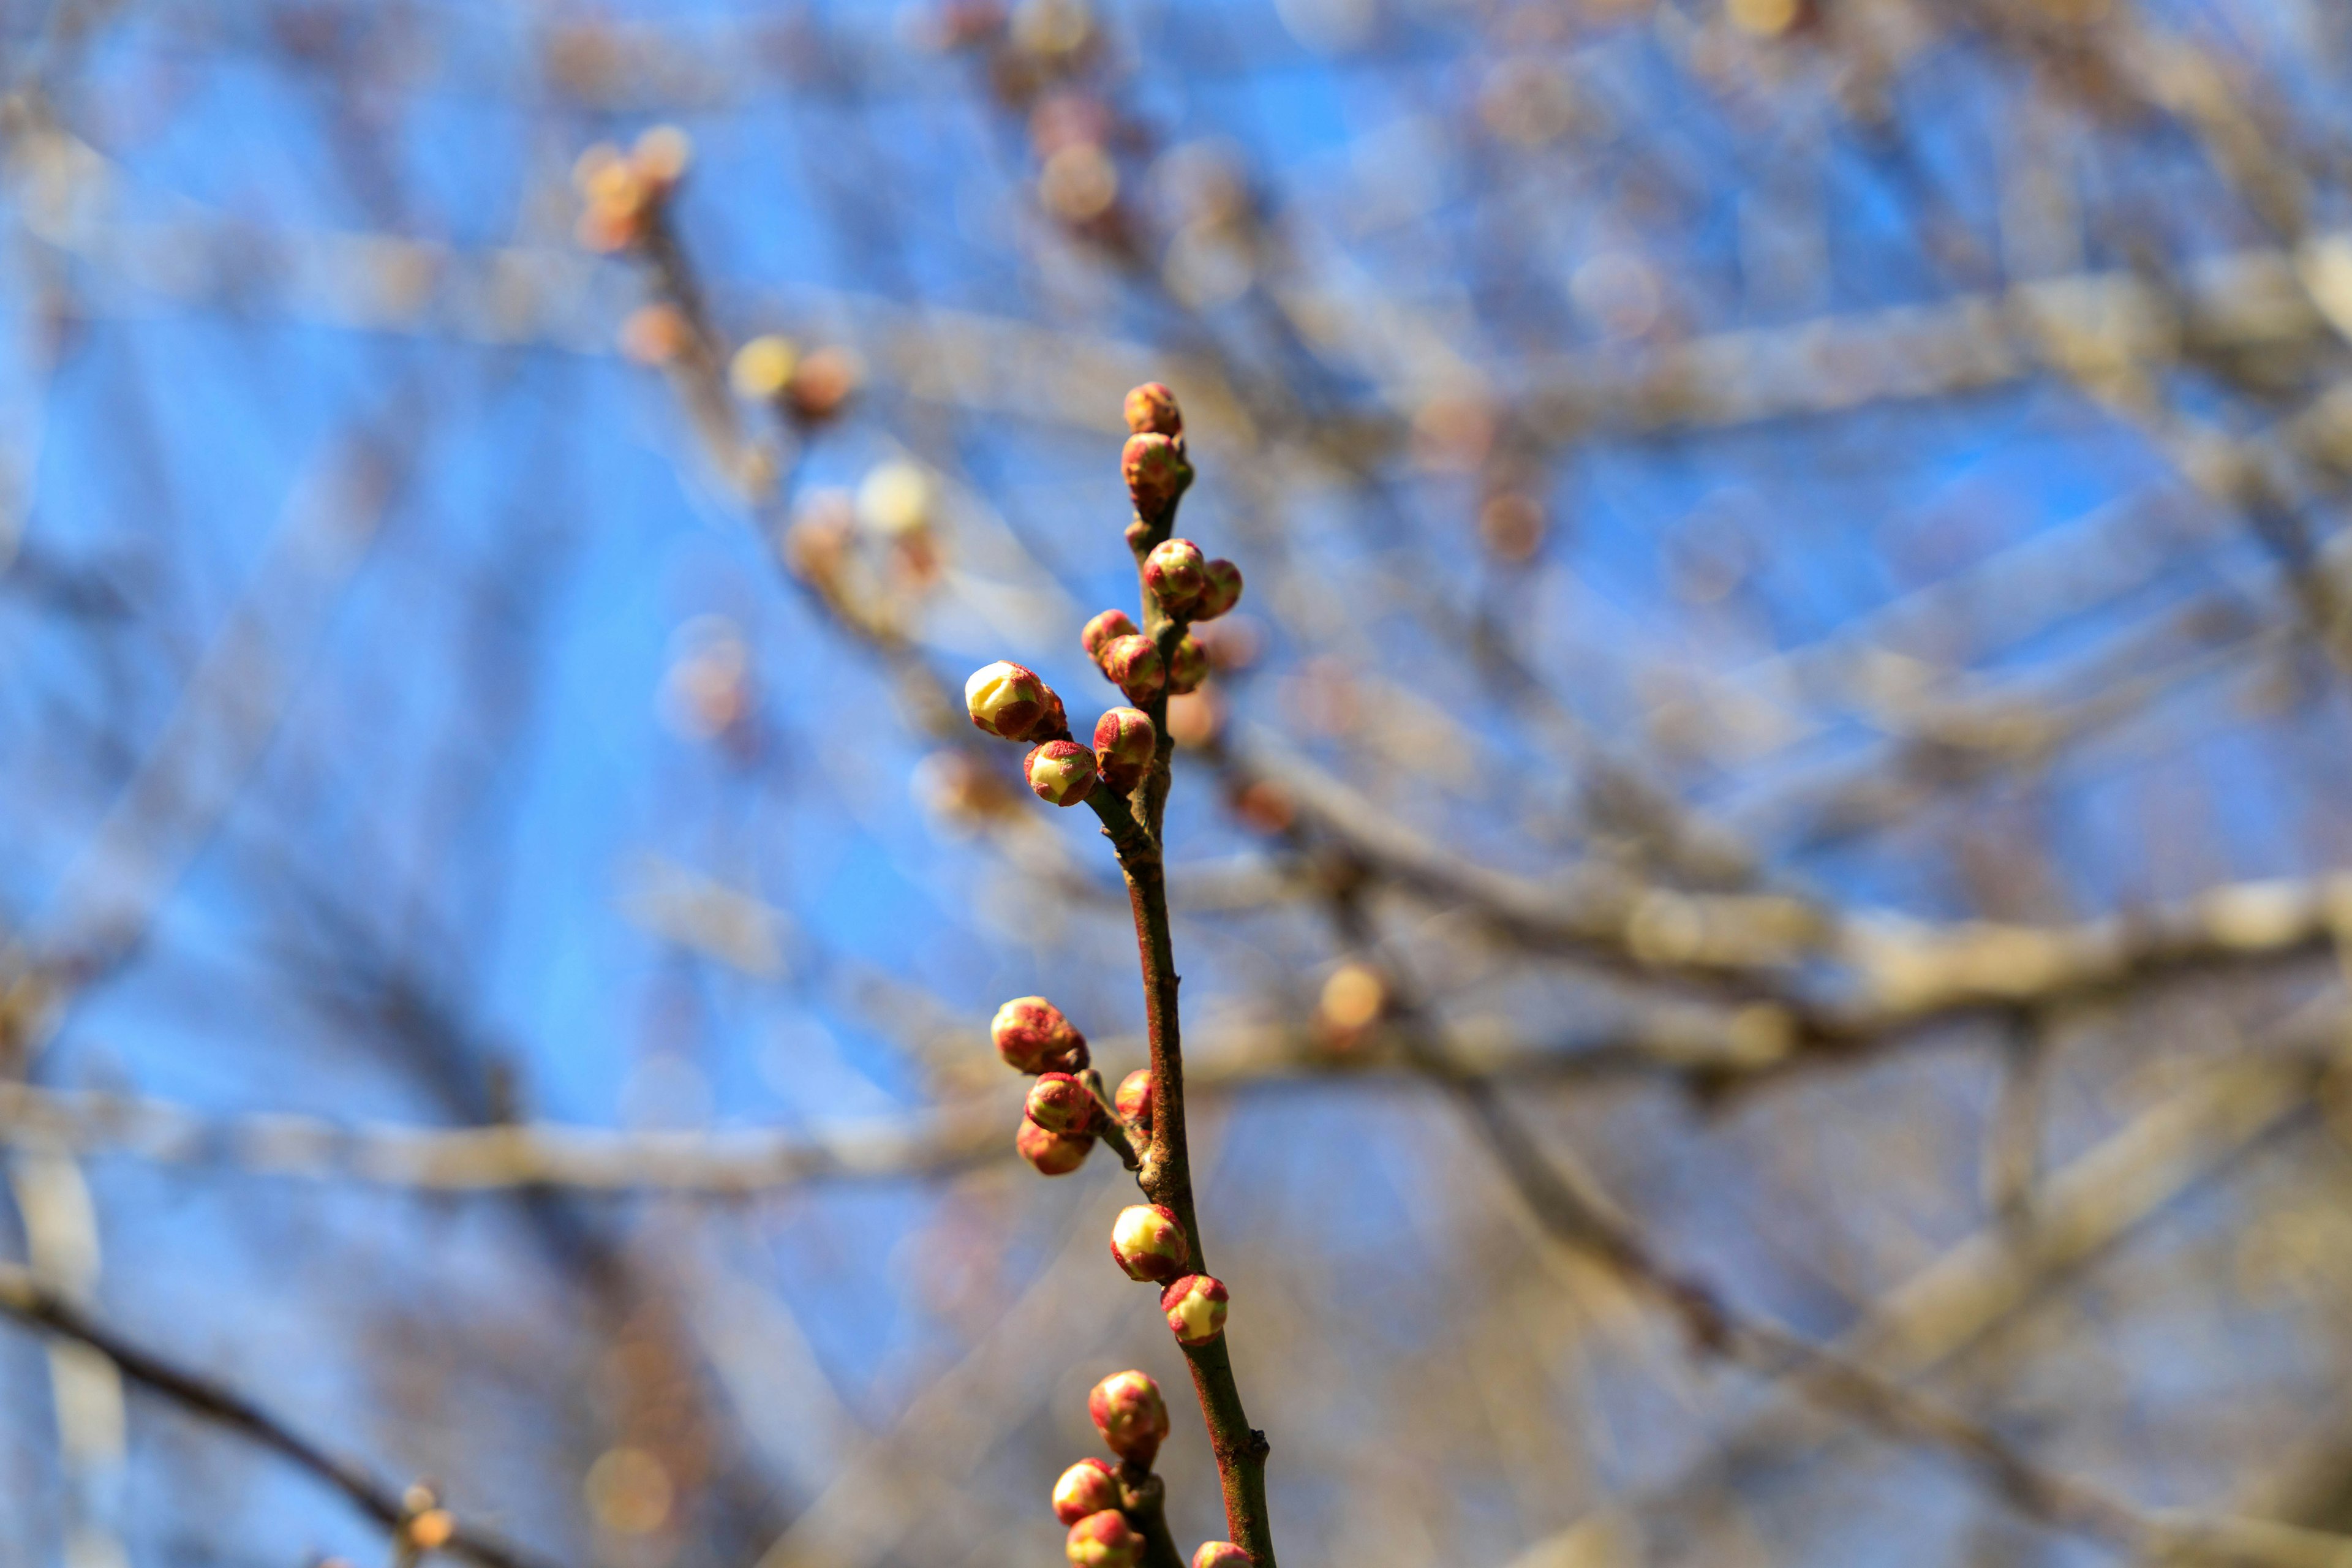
{"x":1154,"y":469}
{"x":1152,"y":410}
{"x":1222,"y":590}
{"x":1129,"y":1414}
{"x":1060,"y":772}
{"x":1147,"y":1241}
{"x":1060,"y":1103}
{"x":761,"y":367}
{"x":1104,"y":628}
{"x":1176,"y":572}
{"x":1087,"y":1487}
{"x":1220,"y":1554}
{"x":1124,"y":743}
{"x":1005,"y":699}
{"x":1032,"y":1037}
{"x":821,"y":384}
{"x":1133,"y":664}
{"x":1053,"y":1154}
{"x":1105,"y":1540}
{"x":1134,"y":1097}
{"x":1195,"y":1306}
{"x":1187,"y":666}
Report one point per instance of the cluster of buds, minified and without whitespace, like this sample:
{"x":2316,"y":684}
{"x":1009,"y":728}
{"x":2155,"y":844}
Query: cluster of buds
{"x":1032,"y":1037}
{"x":810,"y":387}
{"x":621,"y":193}
{"x":1099,"y":1502}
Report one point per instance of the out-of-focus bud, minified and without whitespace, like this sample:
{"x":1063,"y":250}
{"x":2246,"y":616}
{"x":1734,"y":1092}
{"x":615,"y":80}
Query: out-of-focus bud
{"x":1105,"y":1540}
{"x":1060,"y":772}
{"x":1353,"y":1000}
{"x":1154,"y":469}
{"x":1147,"y":1242}
{"x":1511,"y":524}
{"x":1106,"y":627}
{"x":1266,"y":806}
{"x":1087,"y":1487}
{"x":1032,"y":1037}
{"x":1189,"y":667}
{"x":1132,"y":663}
{"x":1195,"y":719}
{"x":821,"y":384}
{"x":761,"y":367}
{"x":1006,"y":699}
{"x":1134,"y":1097}
{"x":1220,"y":1554}
{"x":1060,"y":1103}
{"x":1176,"y":571}
{"x":1195,"y":1306}
{"x":1124,"y":743}
{"x":1053,"y":1153}
{"x":1078,"y":183}
{"x":1221,"y":590}
{"x":615,"y":198}
{"x":1129,"y":1414}
{"x":1151,"y":411}
{"x":896,"y":498}
{"x":661,"y":156}
{"x":656,"y":334}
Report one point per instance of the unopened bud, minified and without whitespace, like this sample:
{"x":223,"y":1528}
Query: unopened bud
{"x":761,"y":367}
{"x":1053,"y":1153}
{"x":1152,"y":410}
{"x":1133,"y":664}
{"x":1104,"y":628}
{"x":1187,"y":666}
{"x":1220,"y":1554}
{"x":1147,"y":1242}
{"x":1124,"y":744}
{"x":1195,"y":1306}
{"x":1134,"y":1097}
{"x":1032,"y":1037}
{"x":821,"y":383}
{"x":1129,"y":1414}
{"x":1060,"y":772}
{"x":1006,"y":699}
{"x":661,"y":156}
{"x":1222,"y":590}
{"x":1087,"y":1487}
{"x":1105,"y":1540}
{"x":1060,"y":1103}
{"x":1175,"y":572}
{"x":1154,"y":469}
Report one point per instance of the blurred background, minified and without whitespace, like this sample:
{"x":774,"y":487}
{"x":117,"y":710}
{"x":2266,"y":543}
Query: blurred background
{"x":1793,"y":676}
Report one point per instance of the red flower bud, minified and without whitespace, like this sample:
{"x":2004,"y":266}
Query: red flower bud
{"x":1105,"y":1540}
{"x":1133,"y":664}
{"x":1176,"y":571}
{"x":1124,"y":743}
{"x":1147,"y":1241}
{"x":1134,"y":1097}
{"x":1006,"y":699}
{"x":1060,"y":1103}
{"x":1032,"y":1037}
{"x":1053,"y":1154}
{"x":1155,"y":471}
{"x":1220,"y":1554}
{"x":1060,"y":772}
{"x":1222,"y":590}
{"x":1087,"y":1487}
{"x":1104,"y":628}
{"x":1152,"y":409}
{"x":1195,"y":1306}
{"x":1189,"y":667}
{"x":1129,"y":1414}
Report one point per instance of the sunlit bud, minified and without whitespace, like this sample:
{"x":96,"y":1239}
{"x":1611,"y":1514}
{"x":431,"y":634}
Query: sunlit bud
{"x":1188,"y":666}
{"x":1087,"y":1487}
{"x":1132,"y":662}
{"x":896,"y":498}
{"x":1105,"y":1540}
{"x":1032,"y":1037}
{"x":662,"y":154}
{"x":1147,"y":1241}
{"x":1151,"y":411}
{"x":591,"y":172}
{"x":1195,"y":1306}
{"x":1154,"y":469}
{"x":1129,"y":1414}
{"x":761,"y":367}
{"x":656,"y":334}
{"x":821,"y":384}
{"x":431,"y":1530}
{"x":1005,"y":699}
{"x":1220,"y":1554}
{"x":1060,"y":1103}
{"x":1175,"y":572}
{"x":1106,"y":627}
{"x":1060,"y":772}
{"x":1221,"y":590}
{"x":1053,"y":1153}
{"x":1353,"y":1000}
{"x":1124,"y":743}
{"x":1134,"y":1097}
